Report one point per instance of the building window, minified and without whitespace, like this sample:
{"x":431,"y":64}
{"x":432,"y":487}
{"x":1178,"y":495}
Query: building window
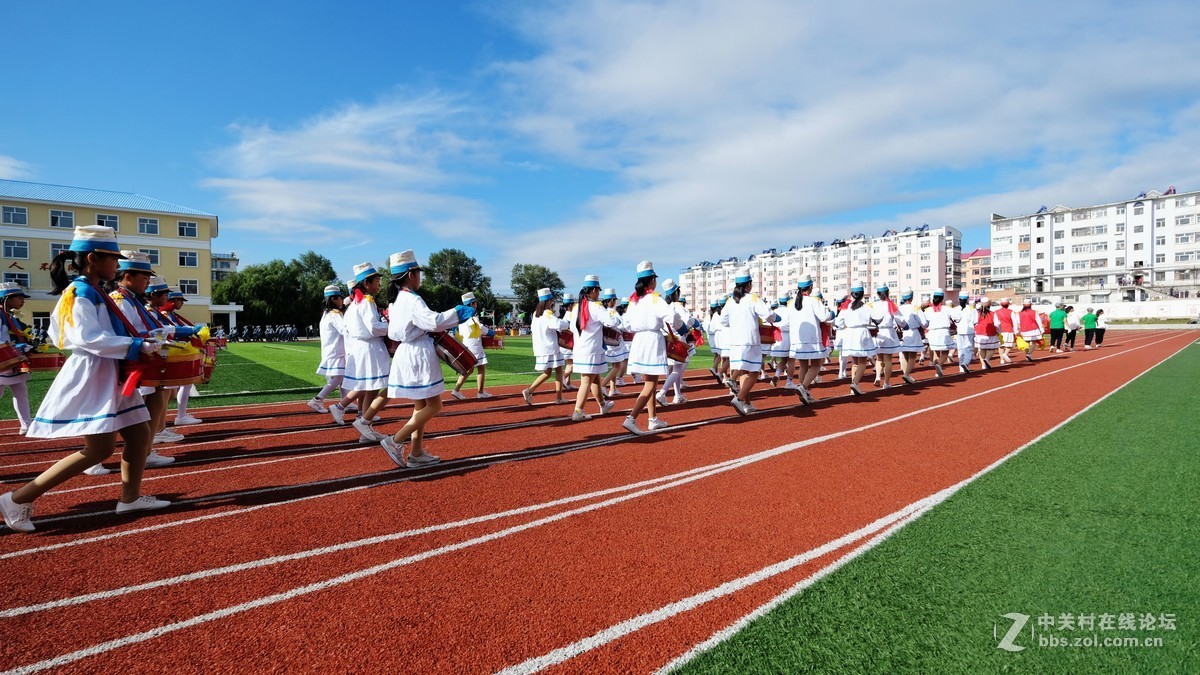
{"x":1160,"y":241}
{"x":188,"y":259}
{"x":1041,"y":256}
{"x":925,"y":269}
{"x":1120,"y":228}
{"x":111,"y":221}
{"x":1139,"y":210}
{"x":16,"y":215}
{"x":147,"y":225}
{"x":57,"y":247}
{"x":1059,"y":234}
{"x":1183,"y":220}
{"x":16,"y":249}
{"x":1137,"y":229}
{"x":151,"y":253}
{"x":1120,"y":245}
{"x":189,"y":286}
{"x":1160,"y":258}
{"x":20,"y":278}
{"x":1179,"y":257}
{"x":1058,"y":267}
{"x":62,"y":219}
{"x":1059,"y":218}
{"x":1160,"y":222}
{"x":1023,"y":239}
{"x":187,"y":229}
{"x":1058,"y":250}
{"x":1137,"y":247}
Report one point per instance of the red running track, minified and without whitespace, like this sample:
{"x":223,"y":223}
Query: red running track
{"x":296,"y":548}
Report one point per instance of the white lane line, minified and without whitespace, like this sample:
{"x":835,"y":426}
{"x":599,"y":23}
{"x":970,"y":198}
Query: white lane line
{"x":425,"y":555}
{"x":918,"y":508}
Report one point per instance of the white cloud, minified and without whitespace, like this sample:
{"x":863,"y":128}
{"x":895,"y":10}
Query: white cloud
{"x":14,"y":169}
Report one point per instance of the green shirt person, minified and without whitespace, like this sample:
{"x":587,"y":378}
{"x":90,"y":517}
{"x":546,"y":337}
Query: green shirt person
{"x":1088,"y":320}
{"x":1058,"y":319}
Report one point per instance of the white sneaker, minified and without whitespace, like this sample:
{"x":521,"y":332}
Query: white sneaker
{"x":750,"y":409}
{"x":789,"y":385}
{"x":817,"y":380}
{"x":655,"y":424}
{"x":143,"y":503}
{"x":366,"y":434}
{"x":154,"y":460}
{"x":580,"y":416}
{"x":97,"y":470}
{"x":662,"y":399}
{"x":457,"y":394}
{"x":607,"y":407}
{"x":317,"y":406}
{"x":631,"y":426}
{"x":338,"y":413}
{"x":937,"y":367}
{"x":855,"y":390}
{"x":527,"y":396}
{"x":186,"y":419}
{"x":22,"y":431}
{"x":167,"y":437}
{"x":18,"y":517}
{"x":423,"y":459}
{"x":620,"y":382}
{"x":395,"y":452}
{"x":679,"y":399}
{"x":483,"y":394}
{"x":353,"y":407}
{"x":908,"y":378}
{"x":740,"y":406}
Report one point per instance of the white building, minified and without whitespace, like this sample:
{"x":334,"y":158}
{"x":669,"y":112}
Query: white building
{"x":1144,"y":248}
{"x":921,"y":258}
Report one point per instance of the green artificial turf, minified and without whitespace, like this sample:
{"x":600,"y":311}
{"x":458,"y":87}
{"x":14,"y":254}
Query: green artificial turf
{"x":263,"y":368}
{"x":1102,"y":517}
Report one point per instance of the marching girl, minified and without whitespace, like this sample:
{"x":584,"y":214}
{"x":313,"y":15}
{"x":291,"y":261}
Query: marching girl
{"x":987,"y":334}
{"x":12,"y":298}
{"x":470,"y":332}
{"x":844,"y":359}
{"x":648,"y":317}
{"x":416,"y":372}
{"x":768,"y":363}
{"x":886,"y":315}
{"x":826,"y":333}
{"x":807,"y":316}
{"x":1006,"y":321}
{"x":912,"y":344}
{"x":333,"y":347}
{"x":548,"y":358}
{"x":1029,"y":326}
{"x":367,"y":362}
{"x":675,"y":369}
{"x":938,"y":331}
{"x":568,"y":306}
{"x":185,"y":329}
{"x":743,"y":314}
{"x":965,"y":318}
{"x":713,"y":328}
{"x":617,"y":356}
{"x":85,"y":398}
{"x":587,"y":324}
{"x":134,"y":277}
{"x":781,"y":349}
{"x":854,"y":325}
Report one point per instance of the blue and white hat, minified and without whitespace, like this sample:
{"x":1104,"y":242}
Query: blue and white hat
{"x":858,"y":287}
{"x":623,"y":302}
{"x":907,"y":294}
{"x":568,"y":298}
{"x":682,"y":300}
{"x":95,"y":239}
{"x":468,"y":298}
{"x":818,"y":294}
{"x":882,"y":287}
{"x":668,"y":286}
{"x":608,"y":294}
{"x":785,"y":299}
{"x":714,"y":304}
{"x":742,"y":276}
{"x":333,"y":290}
{"x":364,"y":271}
{"x":135,"y":261}
{"x":774,"y":304}
{"x":176,"y":295}
{"x":157,"y":285}
{"x":645,"y":270}
{"x":402,"y":262}
{"x":545,"y":294}
{"x":805,"y":281}
{"x":591,"y":281}
{"x":938,"y":293}
{"x":11,"y":289}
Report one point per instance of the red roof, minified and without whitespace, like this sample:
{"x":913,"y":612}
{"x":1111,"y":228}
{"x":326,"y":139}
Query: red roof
{"x":978,"y":253}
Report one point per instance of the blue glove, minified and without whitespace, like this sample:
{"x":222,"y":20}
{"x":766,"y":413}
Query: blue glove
{"x":25,"y":347}
{"x":464,"y":312}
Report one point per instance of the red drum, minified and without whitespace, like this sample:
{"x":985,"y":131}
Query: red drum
{"x":176,"y":370}
{"x":210,"y":361}
{"x":627,"y":336}
{"x":826,"y":335}
{"x":453,"y":353}
{"x":10,"y":357}
{"x":612,"y":337}
{"x":766,"y":334}
{"x":391,"y":345}
{"x":566,"y":339}
{"x":677,"y":350}
{"x":222,"y":343}
{"x":45,"y":361}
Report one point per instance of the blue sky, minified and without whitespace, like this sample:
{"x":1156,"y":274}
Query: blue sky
{"x":587,"y":136}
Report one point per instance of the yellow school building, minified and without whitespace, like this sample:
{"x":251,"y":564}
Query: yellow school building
{"x":37,"y":221}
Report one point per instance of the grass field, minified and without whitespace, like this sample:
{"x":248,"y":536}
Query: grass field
{"x":1097,"y":519}
{"x":258,"y":372}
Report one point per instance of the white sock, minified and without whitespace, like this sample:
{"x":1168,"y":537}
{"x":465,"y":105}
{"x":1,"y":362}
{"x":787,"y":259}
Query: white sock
{"x":182,"y":397}
{"x":20,"y":395}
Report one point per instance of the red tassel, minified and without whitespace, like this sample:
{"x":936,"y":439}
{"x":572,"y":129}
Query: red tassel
{"x":131,"y":383}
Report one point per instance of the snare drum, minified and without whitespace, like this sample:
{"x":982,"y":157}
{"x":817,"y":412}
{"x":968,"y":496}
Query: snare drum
{"x":176,"y":370}
{"x":677,"y":350}
{"x":10,"y":357}
{"x":45,"y":361}
{"x":453,"y":353}
{"x":627,"y":336}
{"x":392,"y":345}
{"x":766,"y":334}
{"x":566,"y":339}
{"x":612,"y":337}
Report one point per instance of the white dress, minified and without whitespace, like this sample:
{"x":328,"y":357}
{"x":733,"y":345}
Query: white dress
{"x":938,"y":332}
{"x":14,"y":375}
{"x":804,"y":328}
{"x":914,"y":323}
{"x":647,"y":317}
{"x":620,"y":351}
{"x":854,"y":326}
{"x":546,"y":352}
{"x":886,"y":314}
{"x":741,"y":321}
{"x":416,"y":372}
{"x":713,"y":326}
{"x":782,"y":348}
{"x":333,"y":345}
{"x":470,"y":333}
{"x":85,"y":397}
{"x":588,"y":352}
{"x":366,"y":354}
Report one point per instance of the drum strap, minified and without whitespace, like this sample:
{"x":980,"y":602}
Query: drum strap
{"x":116,"y":311}
{"x":149,"y":319}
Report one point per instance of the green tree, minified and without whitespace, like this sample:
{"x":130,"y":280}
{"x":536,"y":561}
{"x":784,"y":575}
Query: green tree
{"x":279,"y":292}
{"x":527,"y":279}
{"x":452,"y":267}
